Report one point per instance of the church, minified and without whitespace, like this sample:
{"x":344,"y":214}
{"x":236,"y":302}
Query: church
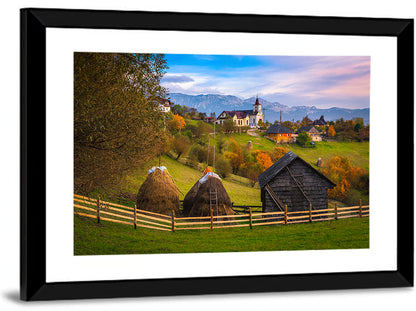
{"x":249,"y":118}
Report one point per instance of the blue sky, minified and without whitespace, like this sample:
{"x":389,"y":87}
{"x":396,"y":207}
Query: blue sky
{"x":321,"y":81}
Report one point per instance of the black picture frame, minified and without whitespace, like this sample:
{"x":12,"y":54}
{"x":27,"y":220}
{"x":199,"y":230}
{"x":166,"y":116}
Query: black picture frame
{"x":34,"y":22}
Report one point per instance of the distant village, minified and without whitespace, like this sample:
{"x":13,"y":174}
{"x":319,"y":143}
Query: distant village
{"x":280,"y":132}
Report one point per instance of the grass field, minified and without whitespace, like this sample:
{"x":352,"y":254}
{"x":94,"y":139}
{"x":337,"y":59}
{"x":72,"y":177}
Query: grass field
{"x":91,"y":238}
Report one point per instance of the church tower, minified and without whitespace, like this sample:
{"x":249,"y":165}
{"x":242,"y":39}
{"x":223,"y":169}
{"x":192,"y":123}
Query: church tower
{"x":257,"y":106}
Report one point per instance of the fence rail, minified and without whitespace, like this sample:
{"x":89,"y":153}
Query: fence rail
{"x":96,"y":208}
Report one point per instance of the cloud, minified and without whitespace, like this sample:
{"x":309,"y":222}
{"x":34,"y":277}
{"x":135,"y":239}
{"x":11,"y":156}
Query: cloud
{"x":176,"y":79}
{"x":320,"y":80}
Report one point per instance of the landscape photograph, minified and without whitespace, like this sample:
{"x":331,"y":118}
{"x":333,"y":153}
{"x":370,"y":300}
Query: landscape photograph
{"x":193,"y":153}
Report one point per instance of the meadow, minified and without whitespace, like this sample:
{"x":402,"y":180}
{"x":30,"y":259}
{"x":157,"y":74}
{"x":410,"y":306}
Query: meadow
{"x":105,"y":238}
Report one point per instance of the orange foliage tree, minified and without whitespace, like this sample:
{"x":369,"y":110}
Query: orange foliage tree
{"x":264,"y":160}
{"x":331,"y":131}
{"x":178,"y":122}
{"x":277,"y":153}
{"x":345,"y":176}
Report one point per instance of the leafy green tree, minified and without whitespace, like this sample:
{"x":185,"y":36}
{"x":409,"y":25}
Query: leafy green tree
{"x":304,"y":139}
{"x":117,"y":121}
{"x":228,"y":126}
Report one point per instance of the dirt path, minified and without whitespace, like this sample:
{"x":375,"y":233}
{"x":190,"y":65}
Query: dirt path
{"x":252,"y":132}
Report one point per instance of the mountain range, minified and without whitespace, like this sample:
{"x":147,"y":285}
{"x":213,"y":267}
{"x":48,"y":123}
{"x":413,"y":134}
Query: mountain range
{"x":218,"y":103}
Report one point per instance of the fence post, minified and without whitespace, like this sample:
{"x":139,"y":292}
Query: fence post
{"x":173,"y":220}
{"x":310,"y":212}
{"x":135,"y":216}
{"x":212,"y":220}
{"x":361,"y":209}
{"x":98,"y":209}
{"x":285,"y":214}
{"x":251,"y":218}
{"x":336,"y":212}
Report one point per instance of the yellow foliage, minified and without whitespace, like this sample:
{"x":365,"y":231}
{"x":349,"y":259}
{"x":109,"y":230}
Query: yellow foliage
{"x":178,"y":122}
{"x":331,"y":131}
{"x":264,"y":160}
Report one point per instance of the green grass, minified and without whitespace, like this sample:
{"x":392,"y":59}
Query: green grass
{"x":91,"y":238}
{"x":357,"y":152}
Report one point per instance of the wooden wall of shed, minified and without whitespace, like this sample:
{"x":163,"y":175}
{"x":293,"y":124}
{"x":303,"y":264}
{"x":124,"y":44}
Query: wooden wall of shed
{"x":314,"y":186}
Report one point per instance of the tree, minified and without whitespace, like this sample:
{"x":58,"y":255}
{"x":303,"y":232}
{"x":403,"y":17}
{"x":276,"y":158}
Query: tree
{"x":278,"y":152}
{"x":264,"y":160}
{"x":289,"y":125}
{"x":253,"y":174}
{"x":304,"y":139}
{"x":228,"y":126}
{"x":331,"y":131}
{"x":177,"y":109}
{"x":262,"y":125}
{"x":223,"y":167}
{"x":306,"y":121}
{"x":180,"y":145}
{"x":117,"y":120}
{"x":178,"y":122}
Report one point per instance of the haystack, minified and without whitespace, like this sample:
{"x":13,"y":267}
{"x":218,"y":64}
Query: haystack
{"x":159,"y":193}
{"x":197,"y":201}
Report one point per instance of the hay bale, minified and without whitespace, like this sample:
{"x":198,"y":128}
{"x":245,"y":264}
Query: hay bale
{"x":197,"y":201}
{"x":159,"y":193}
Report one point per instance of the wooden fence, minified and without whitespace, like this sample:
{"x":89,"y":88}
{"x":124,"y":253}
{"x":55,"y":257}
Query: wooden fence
{"x":107,"y":211}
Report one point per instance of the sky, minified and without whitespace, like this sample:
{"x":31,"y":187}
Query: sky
{"x":321,"y":81}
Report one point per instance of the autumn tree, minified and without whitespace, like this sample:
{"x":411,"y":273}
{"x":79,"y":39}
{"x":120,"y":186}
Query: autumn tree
{"x":235,"y":155}
{"x":180,"y":145}
{"x":278,"y":152}
{"x":331,"y":131}
{"x":117,"y":120}
{"x":178,"y":122}
{"x":253,"y":174}
{"x":264,"y":160}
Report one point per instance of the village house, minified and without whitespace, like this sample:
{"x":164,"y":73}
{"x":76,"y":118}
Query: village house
{"x":165,"y":104}
{"x":249,"y":118}
{"x":320,"y":122}
{"x":312,"y":132}
{"x":293,"y":182}
{"x":279,"y":133}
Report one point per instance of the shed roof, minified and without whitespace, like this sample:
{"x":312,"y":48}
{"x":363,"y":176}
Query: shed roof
{"x":278,"y":129}
{"x":277,"y":167}
{"x":309,"y":129}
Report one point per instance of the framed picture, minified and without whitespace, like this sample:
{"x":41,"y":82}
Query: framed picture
{"x":139,"y":130}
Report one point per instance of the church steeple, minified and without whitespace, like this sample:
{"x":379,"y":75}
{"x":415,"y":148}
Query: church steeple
{"x":257,"y":105}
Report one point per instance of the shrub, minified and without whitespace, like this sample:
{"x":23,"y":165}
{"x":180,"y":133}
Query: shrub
{"x":223,"y":167}
{"x":304,"y":139}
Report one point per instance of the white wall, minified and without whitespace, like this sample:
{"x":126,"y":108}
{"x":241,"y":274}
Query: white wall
{"x":9,"y":170}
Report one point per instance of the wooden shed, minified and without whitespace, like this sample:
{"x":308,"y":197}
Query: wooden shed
{"x":293,"y":182}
